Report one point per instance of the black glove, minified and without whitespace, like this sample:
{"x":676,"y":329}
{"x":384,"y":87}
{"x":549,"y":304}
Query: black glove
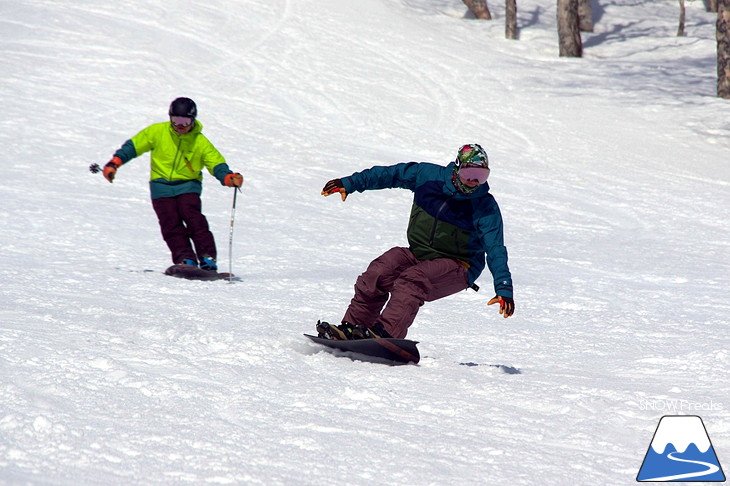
{"x":333,"y":187}
{"x":506,"y":305}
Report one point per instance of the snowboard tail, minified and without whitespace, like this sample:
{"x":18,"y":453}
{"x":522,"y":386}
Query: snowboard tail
{"x":391,"y":349}
{"x":190,"y":272}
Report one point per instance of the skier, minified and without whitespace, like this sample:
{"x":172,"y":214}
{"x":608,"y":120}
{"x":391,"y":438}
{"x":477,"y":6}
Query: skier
{"x":454,"y":222}
{"x":179,"y":151}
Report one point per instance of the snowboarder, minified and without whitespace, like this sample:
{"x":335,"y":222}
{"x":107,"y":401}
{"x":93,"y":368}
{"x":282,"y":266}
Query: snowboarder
{"x":179,"y":151}
{"x":454,"y":222}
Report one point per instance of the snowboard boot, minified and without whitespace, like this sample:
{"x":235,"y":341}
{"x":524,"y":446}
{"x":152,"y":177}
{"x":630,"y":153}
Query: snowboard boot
{"x":348,"y":332}
{"x":207,"y":262}
{"x":189,"y":261}
{"x":343,"y":332}
{"x":377,"y":331}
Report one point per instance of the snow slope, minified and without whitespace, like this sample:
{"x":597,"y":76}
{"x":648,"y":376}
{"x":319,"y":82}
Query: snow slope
{"x":611,"y":172}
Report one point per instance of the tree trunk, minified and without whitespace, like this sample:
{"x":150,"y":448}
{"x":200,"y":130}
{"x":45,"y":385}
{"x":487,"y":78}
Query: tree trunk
{"x":723,"y":49}
{"x":585,"y":15}
{"x":510,"y":20}
{"x":682,"y":12}
{"x":479,"y":8}
{"x":712,"y":6}
{"x":568,"y":29}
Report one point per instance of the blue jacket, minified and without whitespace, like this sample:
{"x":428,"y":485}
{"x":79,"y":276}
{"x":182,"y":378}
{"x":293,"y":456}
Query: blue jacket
{"x":444,"y":222}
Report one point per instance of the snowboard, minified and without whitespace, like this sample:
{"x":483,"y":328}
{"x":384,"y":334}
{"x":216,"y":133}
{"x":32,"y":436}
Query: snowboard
{"x":397,"y":350}
{"x":190,"y":272}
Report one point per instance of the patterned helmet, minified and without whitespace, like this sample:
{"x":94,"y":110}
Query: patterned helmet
{"x":472,"y":155}
{"x":471,"y":168}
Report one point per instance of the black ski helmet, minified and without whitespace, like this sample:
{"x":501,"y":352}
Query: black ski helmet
{"x":183,"y":107}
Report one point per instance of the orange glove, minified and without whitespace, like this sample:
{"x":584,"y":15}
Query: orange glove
{"x":233,"y":180}
{"x":110,"y":169}
{"x":333,"y":187}
{"x":506,"y":305}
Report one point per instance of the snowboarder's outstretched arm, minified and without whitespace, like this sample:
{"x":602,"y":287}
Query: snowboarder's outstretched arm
{"x":379,"y":177}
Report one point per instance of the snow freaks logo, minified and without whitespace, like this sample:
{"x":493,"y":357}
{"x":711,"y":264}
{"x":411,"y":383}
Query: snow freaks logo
{"x":679,"y":406}
{"x":681,"y":451}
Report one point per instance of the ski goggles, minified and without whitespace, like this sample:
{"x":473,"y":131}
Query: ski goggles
{"x":480,"y":174}
{"x":181,"y":121}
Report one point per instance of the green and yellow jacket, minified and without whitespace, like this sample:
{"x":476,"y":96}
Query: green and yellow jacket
{"x":444,"y":222}
{"x":176,"y":161}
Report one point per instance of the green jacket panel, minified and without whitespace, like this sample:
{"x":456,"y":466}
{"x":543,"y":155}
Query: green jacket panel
{"x":430,"y":238}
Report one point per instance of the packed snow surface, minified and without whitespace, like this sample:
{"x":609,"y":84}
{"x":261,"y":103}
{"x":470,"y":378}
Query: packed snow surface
{"x":611,"y":172}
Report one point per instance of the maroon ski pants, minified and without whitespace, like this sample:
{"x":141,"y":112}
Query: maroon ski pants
{"x":396,"y":284}
{"x":181,"y":221}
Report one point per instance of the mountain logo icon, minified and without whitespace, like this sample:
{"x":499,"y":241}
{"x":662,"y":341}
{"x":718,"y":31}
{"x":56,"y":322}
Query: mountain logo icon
{"x":681,"y":451}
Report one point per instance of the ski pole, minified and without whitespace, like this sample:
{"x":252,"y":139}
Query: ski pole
{"x":230,"y":236}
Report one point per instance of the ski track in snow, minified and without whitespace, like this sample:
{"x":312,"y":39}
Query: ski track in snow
{"x":610,"y":172}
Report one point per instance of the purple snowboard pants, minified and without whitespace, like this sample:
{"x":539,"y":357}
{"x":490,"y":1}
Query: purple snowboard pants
{"x":181,"y":221}
{"x":402,"y":281}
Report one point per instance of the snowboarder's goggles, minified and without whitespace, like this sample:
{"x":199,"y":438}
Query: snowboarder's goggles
{"x":181,"y":121}
{"x":480,"y":174}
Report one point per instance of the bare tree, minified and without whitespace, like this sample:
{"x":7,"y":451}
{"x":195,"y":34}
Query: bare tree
{"x":479,"y":8}
{"x":510,"y":20}
{"x":568,"y":29}
{"x":682,"y":13}
{"x":723,"y":49}
{"x":585,"y":15}
{"x":711,"y":5}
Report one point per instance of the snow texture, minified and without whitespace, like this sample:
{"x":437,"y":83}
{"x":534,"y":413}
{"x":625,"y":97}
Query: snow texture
{"x":611,"y":172}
